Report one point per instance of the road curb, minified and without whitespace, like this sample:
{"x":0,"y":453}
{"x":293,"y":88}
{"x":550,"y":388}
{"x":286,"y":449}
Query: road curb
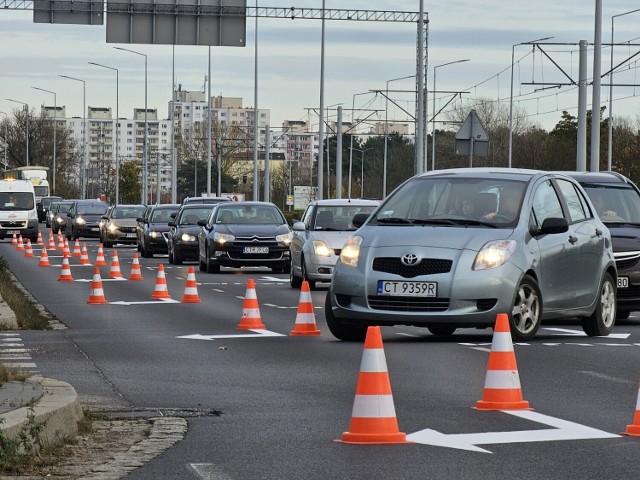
{"x":58,"y":410}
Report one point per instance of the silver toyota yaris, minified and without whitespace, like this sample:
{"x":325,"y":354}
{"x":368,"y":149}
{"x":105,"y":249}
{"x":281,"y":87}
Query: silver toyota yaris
{"x":453,"y":248}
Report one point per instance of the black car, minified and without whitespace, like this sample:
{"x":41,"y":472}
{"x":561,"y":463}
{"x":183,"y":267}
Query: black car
{"x":183,"y":236}
{"x":153,"y":228}
{"x":43,"y":207}
{"x":244,"y":234}
{"x":59,"y":219}
{"x":83,"y":219}
{"x":617,"y":202}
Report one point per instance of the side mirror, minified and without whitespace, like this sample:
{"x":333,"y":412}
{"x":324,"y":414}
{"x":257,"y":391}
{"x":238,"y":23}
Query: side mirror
{"x":139,"y":219}
{"x":554,"y":225}
{"x":105,"y":217}
{"x":359,"y":219}
{"x":69,"y":214}
{"x":298,"y":227}
{"x":172,"y":224}
{"x":202,"y":223}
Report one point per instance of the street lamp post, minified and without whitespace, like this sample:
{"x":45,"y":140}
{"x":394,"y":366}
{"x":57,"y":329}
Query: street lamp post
{"x":433,"y":116}
{"x":386,"y":133}
{"x":6,"y":133}
{"x":55,"y":127}
{"x":84,"y":134}
{"x":145,"y":153}
{"x":610,"y":126}
{"x":115,"y":124}
{"x":361,"y":168}
{"x":511,"y":95}
{"x":353,"y":107}
{"x":26,"y":108}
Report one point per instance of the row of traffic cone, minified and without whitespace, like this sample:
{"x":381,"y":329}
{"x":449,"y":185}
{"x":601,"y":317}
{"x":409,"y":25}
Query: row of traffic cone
{"x":373,"y":418}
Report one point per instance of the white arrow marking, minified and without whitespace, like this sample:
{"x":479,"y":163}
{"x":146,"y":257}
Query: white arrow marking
{"x":259,"y":333}
{"x":563,"y":430}
{"x":578,"y":333}
{"x":160,"y":301}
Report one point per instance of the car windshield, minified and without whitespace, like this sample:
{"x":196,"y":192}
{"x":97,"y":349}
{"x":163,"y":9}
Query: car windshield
{"x":16,"y":200}
{"x":615,"y":203}
{"x":190,"y":216}
{"x":338,"y":217}
{"x":454,"y":200}
{"x":93,"y":209}
{"x":251,"y":214}
{"x":162,"y":215}
{"x":64,"y":207}
{"x":127,"y":212}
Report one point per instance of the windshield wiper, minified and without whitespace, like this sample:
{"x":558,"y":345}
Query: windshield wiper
{"x":396,"y":220}
{"x":469,"y":221}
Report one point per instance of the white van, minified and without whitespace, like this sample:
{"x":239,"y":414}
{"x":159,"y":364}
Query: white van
{"x":18,"y":210}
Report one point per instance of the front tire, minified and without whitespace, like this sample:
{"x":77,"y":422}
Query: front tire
{"x":442,"y":330}
{"x":305,"y":276}
{"x":341,"y":330}
{"x":294,"y":281}
{"x":526,"y":314}
{"x":601,"y":321}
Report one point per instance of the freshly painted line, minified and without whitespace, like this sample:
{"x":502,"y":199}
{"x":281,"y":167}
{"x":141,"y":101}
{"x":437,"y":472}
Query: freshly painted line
{"x":147,"y":302}
{"x":259,"y":333}
{"x":580,"y":333}
{"x":563,"y":430}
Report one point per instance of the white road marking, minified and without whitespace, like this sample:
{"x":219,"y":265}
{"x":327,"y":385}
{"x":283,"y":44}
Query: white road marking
{"x":258,"y":333}
{"x":86,"y":280}
{"x":580,"y":333}
{"x":160,"y":301}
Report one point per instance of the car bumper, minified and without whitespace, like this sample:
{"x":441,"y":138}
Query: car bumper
{"x":156,"y":245}
{"x":121,"y":237}
{"x":29,"y":230}
{"x":277,"y":257}
{"x":320,"y":269}
{"x":188,"y":250}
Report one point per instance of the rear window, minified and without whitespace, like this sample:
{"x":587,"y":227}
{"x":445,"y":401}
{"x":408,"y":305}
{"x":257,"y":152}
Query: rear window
{"x":615,"y":203}
{"x":92,"y":209}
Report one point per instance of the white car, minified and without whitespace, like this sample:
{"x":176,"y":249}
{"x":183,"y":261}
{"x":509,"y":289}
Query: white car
{"x":318,"y":238}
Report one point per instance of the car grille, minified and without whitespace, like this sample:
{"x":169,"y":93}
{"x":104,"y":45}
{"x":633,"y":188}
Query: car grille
{"x":427,"y":266}
{"x":235,"y":251}
{"x":13,"y":224}
{"x":408,"y":304}
{"x":627,"y":260}
{"x":128,"y":229}
{"x":631,"y":292}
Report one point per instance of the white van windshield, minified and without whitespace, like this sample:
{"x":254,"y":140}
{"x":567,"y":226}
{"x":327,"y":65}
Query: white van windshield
{"x":16,"y":201}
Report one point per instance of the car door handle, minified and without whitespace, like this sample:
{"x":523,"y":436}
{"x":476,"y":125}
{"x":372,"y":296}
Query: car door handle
{"x":598,"y":232}
{"x":572,"y":239}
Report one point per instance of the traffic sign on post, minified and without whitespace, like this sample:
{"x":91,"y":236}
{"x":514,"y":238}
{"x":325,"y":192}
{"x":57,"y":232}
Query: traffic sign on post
{"x":471,"y":138}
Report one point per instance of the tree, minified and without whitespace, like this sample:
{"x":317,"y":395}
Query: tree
{"x":130,"y":182}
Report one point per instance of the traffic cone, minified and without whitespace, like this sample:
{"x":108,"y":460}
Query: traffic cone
{"x":306,"y":318}
{"x":60,"y":241}
{"x":14,"y":240}
{"x":84,"y":256}
{"x":76,"y":249}
{"x":135,"y":274}
{"x":52,"y":242}
{"x":115,"y":266}
{"x":65,"y":272}
{"x":39,"y":240}
{"x":373,"y":418}
{"x":65,"y":249}
{"x":160,"y":290}
{"x":251,"y":310}
{"x":502,"y":384}
{"x":44,"y":258}
{"x":191,"y":288}
{"x":634,"y":429}
{"x":20,"y":244}
{"x":100,"y":261}
{"x":97,"y":293}
{"x":28,"y":253}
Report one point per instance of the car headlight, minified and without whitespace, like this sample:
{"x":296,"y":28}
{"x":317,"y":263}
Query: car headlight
{"x":113,"y":228}
{"x":285,"y":238}
{"x":154,"y":234}
{"x":80,"y":221}
{"x":187,"y":238}
{"x":493,"y":254}
{"x":222,"y":238}
{"x":321,"y":249}
{"x":351,"y":251}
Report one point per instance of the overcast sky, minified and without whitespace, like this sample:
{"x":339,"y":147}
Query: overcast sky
{"x":360,"y":56}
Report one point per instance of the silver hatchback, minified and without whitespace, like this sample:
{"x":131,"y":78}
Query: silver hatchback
{"x":453,"y":248}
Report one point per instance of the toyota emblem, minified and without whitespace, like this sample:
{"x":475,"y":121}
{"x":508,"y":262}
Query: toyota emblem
{"x":410,"y":259}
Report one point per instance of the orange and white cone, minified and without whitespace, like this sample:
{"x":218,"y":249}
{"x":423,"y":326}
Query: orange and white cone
{"x":20,"y":246}
{"x":306,"y":317}
{"x":14,"y":240}
{"x":100,"y":261}
{"x":66,"y":250}
{"x":39,"y":241}
{"x":65,"y":272}
{"x":60,"y":241}
{"x":502,"y":389}
{"x":373,"y":418}
{"x":97,"y":293}
{"x":191,"y":288}
{"x":76,"y":249}
{"x":52,"y":242}
{"x":115,"y":266}
{"x":44,"y":258}
{"x":634,"y":429}
{"x":160,"y":290}
{"x":136,"y":273}
{"x":84,"y":256}
{"x":28,"y":252}
{"x":251,"y":310}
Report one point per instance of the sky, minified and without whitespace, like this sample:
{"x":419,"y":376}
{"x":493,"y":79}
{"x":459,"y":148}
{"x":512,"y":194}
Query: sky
{"x":359,"y":57}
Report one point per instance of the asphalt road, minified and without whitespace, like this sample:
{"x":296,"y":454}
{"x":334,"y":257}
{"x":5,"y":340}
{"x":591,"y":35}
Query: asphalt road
{"x":271,"y":407}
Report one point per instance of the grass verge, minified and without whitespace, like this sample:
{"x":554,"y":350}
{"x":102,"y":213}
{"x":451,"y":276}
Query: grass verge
{"x":27,"y":314}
